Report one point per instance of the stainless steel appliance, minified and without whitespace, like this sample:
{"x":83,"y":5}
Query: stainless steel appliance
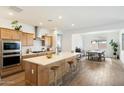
{"x":10,"y":53}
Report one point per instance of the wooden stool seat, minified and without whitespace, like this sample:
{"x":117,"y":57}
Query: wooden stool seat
{"x":54,"y":67}
{"x":70,"y":62}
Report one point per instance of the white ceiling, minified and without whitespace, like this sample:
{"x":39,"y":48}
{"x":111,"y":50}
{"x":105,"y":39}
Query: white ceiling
{"x":81,"y":16}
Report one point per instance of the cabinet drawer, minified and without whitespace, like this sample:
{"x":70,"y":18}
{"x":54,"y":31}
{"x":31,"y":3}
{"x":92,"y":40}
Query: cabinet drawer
{"x":11,"y":70}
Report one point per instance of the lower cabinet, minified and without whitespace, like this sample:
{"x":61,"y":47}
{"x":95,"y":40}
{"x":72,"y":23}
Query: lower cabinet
{"x":11,"y":70}
{"x":31,"y":73}
{"x":43,"y":75}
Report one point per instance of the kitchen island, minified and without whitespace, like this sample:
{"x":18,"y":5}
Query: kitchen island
{"x":38,"y":72}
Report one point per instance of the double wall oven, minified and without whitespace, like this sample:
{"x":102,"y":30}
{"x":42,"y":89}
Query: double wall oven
{"x":10,"y":53}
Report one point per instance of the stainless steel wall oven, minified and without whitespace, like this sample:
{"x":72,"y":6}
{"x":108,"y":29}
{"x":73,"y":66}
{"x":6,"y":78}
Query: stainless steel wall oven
{"x":10,"y":53}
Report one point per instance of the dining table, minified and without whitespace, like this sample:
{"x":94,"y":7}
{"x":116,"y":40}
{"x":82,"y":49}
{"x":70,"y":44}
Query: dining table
{"x":95,"y":54}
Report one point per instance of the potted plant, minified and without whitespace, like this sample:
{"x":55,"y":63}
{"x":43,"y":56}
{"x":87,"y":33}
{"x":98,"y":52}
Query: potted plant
{"x":15,"y":25}
{"x":114,"y":47}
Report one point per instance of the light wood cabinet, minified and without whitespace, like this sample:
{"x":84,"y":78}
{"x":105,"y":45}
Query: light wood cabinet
{"x":24,"y":39}
{"x":10,"y":34}
{"x":31,"y":73}
{"x":11,"y":70}
{"x":5,"y":34}
{"x":47,"y":41}
{"x":43,"y":75}
{"x":16,"y":35}
{"x":27,"y":39}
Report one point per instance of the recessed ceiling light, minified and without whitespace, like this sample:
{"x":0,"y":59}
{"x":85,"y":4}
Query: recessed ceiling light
{"x":10,"y":13}
{"x":72,"y":24}
{"x":60,"y":17}
{"x":41,"y":23}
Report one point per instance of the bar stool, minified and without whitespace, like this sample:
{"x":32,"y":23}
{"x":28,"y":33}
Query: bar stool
{"x":71,"y":68}
{"x":54,"y":69}
{"x":78,"y":64}
{"x":69,"y":74}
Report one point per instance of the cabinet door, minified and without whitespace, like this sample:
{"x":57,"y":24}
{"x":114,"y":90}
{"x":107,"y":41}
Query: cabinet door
{"x":31,"y":73}
{"x":24,"y":39}
{"x":29,"y":39}
{"x":16,"y":35}
{"x":49,"y":41}
{"x":6,"y":34}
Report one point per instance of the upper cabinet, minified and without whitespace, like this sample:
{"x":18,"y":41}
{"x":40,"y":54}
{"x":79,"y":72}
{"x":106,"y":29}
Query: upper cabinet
{"x":10,"y":34}
{"x":25,"y":38}
{"x":47,"y":41}
{"x":16,"y":35}
{"x":29,"y":39}
{"x":5,"y":34}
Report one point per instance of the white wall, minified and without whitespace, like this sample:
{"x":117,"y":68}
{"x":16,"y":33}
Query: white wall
{"x":7,"y":24}
{"x":87,"y":38}
{"x":67,"y":33}
{"x":26,"y":28}
{"x":121,"y":51}
{"x":77,"y":41}
{"x":66,"y":41}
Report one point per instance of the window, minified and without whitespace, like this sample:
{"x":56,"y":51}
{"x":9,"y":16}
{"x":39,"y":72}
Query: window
{"x":99,"y":44}
{"x":102,"y":44}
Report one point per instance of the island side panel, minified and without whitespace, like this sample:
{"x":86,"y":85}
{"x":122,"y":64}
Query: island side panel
{"x":43,"y":76}
{"x":46,"y":75}
{"x":31,"y":73}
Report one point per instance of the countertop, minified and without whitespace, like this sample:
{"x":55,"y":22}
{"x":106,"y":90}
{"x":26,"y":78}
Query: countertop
{"x":28,"y":54}
{"x":43,"y":60}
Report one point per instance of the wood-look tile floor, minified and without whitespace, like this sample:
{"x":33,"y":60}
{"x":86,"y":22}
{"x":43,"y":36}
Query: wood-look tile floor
{"x":110,"y":72}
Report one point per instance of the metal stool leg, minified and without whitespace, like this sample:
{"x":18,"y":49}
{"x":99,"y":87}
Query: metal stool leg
{"x":55,"y":77}
{"x":55,"y":68}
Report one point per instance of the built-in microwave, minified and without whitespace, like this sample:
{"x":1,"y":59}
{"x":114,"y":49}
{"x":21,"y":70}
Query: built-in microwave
{"x":10,"y":53}
{"x":9,"y":45}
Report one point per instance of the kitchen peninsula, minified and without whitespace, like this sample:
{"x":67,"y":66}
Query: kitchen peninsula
{"x":38,"y":69}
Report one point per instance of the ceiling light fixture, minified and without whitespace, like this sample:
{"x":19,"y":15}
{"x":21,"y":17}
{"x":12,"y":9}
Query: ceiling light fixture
{"x":41,"y":23}
{"x":10,"y":13}
{"x":60,"y":17}
{"x":72,"y":24}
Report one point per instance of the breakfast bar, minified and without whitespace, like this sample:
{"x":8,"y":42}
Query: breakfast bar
{"x":41,"y":70}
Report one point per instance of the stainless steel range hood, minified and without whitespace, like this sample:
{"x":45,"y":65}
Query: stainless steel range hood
{"x":36,"y":33}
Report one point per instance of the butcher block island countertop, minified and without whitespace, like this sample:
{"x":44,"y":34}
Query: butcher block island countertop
{"x":38,"y":69}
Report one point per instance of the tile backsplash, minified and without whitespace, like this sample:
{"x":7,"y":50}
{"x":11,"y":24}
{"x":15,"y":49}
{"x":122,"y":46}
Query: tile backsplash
{"x":36,"y":46}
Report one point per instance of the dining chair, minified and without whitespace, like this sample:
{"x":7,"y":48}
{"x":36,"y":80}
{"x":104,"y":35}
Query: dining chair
{"x":103,"y":55}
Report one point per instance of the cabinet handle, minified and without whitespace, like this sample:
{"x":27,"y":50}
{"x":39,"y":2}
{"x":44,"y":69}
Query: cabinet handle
{"x":32,"y":71}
